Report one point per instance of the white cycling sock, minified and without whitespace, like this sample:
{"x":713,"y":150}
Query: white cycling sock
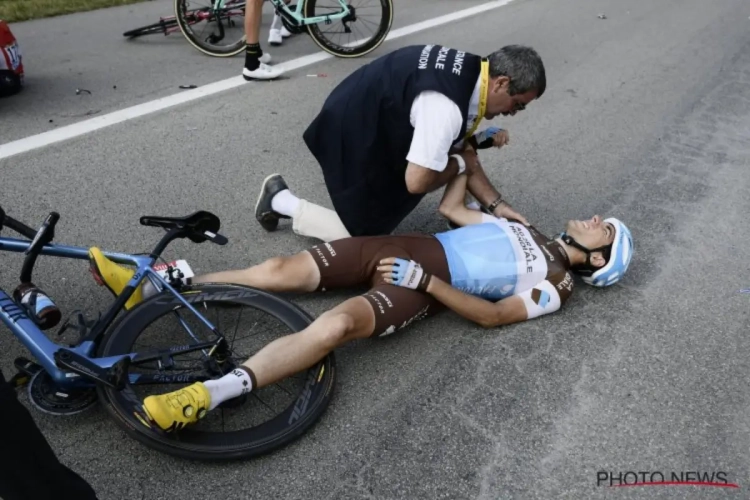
{"x":285,"y":203}
{"x":233,"y":384}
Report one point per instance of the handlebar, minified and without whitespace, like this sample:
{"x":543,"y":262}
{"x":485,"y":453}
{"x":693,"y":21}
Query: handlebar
{"x":16,"y":226}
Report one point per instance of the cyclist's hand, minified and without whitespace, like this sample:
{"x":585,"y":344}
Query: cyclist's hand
{"x":501,"y":138}
{"x":506,"y":211}
{"x":405,"y":273}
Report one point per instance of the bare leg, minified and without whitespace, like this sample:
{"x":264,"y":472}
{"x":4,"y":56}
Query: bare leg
{"x":298,"y":273}
{"x":282,"y":358}
{"x":288,"y":355}
{"x":253,"y":11}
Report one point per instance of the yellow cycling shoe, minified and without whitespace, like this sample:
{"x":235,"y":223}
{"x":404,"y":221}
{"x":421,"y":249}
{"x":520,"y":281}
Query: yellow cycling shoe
{"x":112,"y":275}
{"x":175,"y":410}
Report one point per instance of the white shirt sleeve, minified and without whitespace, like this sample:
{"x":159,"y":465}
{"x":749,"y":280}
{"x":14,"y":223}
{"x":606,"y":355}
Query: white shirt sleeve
{"x":437,"y":122}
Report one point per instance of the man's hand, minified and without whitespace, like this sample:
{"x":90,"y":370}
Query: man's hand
{"x":501,"y":138}
{"x":490,"y":137}
{"x":506,"y":211}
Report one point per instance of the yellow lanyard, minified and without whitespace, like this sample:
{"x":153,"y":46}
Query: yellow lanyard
{"x":483,"y":87}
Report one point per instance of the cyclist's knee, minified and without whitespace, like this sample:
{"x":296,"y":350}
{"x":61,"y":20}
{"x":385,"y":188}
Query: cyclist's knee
{"x":350,"y":320}
{"x":300,"y":268}
{"x":275,"y":265}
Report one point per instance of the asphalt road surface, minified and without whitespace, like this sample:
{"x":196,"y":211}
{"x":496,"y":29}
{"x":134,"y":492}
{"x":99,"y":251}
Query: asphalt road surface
{"x":646,"y":117}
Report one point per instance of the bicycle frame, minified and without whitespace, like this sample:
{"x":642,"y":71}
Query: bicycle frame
{"x":296,"y":15}
{"x":44,"y":350}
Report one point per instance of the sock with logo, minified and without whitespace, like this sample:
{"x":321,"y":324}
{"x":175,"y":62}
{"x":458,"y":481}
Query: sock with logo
{"x":285,"y":203}
{"x":253,"y":53}
{"x":239,"y":381}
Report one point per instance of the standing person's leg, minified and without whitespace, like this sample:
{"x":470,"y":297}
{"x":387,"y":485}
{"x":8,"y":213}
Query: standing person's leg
{"x":276,"y":201}
{"x":29,"y":469}
{"x":278,"y":31}
{"x":256,"y":62}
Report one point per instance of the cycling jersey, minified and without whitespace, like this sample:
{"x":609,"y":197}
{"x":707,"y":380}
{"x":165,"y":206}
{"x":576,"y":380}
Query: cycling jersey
{"x":498,"y":259}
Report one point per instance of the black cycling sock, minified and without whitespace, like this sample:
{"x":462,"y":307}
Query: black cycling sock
{"x":253,"y":53}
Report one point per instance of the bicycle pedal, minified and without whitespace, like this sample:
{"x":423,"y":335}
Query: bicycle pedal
{"x":26,"y":370}
{"x":27,"y":366}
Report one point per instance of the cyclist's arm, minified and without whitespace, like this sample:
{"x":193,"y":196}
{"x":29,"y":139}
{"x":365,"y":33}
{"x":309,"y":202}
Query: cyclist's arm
{"x":545,"y":298}
{"x":453,"y":207}
{"x":437,"y":122}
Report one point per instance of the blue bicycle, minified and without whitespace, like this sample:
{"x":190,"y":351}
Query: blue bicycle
{"x":104,"y":364}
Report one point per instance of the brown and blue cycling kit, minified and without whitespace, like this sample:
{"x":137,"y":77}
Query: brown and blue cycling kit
{"x":492,"y":260}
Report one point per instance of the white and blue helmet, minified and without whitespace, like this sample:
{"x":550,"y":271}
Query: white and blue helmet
{"x":619,"y":258}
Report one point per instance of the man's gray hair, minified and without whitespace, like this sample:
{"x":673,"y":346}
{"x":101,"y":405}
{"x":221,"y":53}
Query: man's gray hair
{"x":522,"y":65}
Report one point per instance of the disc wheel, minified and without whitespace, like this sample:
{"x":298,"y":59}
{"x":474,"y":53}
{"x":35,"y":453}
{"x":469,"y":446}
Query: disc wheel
{"x":237,"y":429}
{"x":348,"y":37}
{"x":215,"y":33}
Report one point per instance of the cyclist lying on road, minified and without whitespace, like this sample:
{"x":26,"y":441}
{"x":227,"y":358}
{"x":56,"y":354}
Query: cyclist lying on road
{"x":491,"y":271}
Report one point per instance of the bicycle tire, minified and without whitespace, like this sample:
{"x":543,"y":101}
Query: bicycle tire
{"x":246,"y":443}
{"x":350,"y":52}
{"x":151,"y":29}
{"x":200,"y":45}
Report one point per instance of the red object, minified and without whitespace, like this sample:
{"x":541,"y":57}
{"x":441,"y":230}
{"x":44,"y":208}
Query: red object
{"x":11,"y":62}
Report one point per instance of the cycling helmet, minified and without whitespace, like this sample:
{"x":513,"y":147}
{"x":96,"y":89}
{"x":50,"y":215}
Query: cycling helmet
{"x":618,"y":255}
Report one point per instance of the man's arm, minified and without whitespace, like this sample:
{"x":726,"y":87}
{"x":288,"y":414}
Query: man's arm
{"x":481,"y":188}
{"x":437,"y":122}
{"x":424,"y":180}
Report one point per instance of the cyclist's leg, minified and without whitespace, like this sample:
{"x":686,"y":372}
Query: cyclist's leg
{"x":256,"y":62}
{"x":339,"y":264}
{"x":29,"y":467}
{"x":278,"y":31}
{"x":342,"y":263}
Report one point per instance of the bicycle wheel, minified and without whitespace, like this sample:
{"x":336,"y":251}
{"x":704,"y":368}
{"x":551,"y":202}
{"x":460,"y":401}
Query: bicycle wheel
{"x":222,"y":35}
{"x":151,"y":29}
{"x":215,"y":437}
{"x":379,"y":16}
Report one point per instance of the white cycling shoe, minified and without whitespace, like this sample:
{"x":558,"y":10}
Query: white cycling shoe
{"x":276,"y":36}
{"x":262,"y":72}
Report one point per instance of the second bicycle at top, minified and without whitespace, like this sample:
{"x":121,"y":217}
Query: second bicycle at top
{"x":336,"y":26}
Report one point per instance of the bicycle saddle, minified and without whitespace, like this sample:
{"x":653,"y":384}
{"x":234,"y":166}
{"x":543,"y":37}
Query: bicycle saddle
{"x":194,"y":225}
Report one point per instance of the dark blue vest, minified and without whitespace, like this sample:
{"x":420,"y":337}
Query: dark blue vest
{"x":363,"y":132}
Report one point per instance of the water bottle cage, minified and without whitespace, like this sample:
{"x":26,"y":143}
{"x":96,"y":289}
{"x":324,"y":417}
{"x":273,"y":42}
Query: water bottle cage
{"x":83,"y":326}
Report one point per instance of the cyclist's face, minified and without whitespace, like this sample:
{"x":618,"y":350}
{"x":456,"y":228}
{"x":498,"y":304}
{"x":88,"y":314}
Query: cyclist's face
{"x":591,"y":233}
{"x":500,"y":102}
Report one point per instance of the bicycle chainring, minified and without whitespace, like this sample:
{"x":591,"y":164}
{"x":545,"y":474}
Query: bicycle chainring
{"x":48,"y":398}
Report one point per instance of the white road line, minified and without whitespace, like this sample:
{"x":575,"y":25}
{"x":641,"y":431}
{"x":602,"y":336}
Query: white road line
{"x":83,"y":127}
